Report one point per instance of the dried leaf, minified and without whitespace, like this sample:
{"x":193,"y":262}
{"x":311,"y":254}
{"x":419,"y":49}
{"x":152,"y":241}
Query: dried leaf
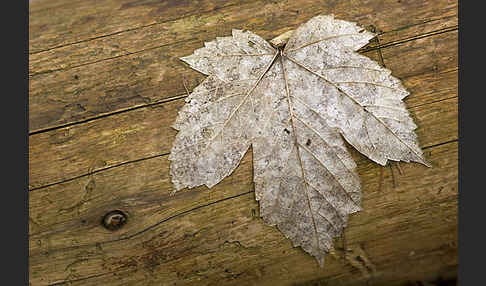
{"x":295,"y":102}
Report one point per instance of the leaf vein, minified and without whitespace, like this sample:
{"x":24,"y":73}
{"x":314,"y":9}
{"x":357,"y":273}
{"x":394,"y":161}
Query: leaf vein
{"x":332,"y":175}
{"x":419,"y":156}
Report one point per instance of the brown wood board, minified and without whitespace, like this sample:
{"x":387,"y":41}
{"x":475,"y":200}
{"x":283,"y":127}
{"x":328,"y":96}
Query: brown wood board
{"x":105,"y":86}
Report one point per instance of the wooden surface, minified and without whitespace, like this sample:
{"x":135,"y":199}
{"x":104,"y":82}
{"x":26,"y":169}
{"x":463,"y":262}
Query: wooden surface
{"x":105,"y":85}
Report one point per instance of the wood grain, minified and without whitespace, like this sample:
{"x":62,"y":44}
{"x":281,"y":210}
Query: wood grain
{"x":85,"y":20}
{"x":105,"y":85}
{"x":228,"y":234}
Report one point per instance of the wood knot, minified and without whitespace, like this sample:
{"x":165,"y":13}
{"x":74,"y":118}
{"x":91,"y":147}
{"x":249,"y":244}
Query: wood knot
{"x":114,"y":220}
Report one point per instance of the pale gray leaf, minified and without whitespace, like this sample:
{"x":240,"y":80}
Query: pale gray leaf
{"x":295,"y":103}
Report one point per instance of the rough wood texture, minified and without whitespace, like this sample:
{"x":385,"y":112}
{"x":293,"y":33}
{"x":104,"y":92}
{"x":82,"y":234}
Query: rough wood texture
{"x":106,"y":83}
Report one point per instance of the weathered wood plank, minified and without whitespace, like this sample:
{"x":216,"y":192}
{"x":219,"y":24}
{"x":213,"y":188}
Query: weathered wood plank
{"x":72,"y":151}
{"x":227,"y":241}
{"x":67,"y":214}
{"x":150,"y":70}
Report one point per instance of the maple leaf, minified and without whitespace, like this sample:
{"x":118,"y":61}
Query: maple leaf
{"x":295,"y":103}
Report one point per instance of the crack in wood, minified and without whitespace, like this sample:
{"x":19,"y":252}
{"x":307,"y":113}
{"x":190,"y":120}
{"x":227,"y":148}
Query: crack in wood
{"x":417,"y":37}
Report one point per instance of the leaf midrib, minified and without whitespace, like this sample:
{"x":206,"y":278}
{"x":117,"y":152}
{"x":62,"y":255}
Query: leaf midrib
{"x":306,"y":184}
